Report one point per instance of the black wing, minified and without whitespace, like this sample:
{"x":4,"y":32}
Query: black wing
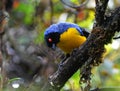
{"x":85,"y":32}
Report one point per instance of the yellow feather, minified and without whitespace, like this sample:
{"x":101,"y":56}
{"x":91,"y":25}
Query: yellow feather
{"x":70,"y":39}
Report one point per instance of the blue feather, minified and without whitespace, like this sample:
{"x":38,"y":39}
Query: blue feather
{"x":61,"y":27}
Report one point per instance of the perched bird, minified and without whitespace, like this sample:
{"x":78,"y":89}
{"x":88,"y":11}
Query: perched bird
{"x":66,"y":36}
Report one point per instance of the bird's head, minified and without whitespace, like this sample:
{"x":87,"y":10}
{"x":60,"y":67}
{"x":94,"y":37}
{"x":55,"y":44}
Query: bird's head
{"x":52,"y":39}
{"x":52,"y":36}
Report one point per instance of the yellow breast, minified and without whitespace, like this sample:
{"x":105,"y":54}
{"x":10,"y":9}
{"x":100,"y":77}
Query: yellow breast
{"x":70,"y":39}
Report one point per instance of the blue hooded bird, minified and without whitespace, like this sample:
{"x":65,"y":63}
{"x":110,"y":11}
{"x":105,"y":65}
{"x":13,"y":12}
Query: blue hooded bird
{"x":66,"y":36}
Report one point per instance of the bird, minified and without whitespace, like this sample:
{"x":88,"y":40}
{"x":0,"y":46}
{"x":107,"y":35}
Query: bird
{"x":66,"y":36}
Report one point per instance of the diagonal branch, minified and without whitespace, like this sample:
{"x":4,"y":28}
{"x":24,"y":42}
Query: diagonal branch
{"x":77,"y":60}
{"x":92,"y":49}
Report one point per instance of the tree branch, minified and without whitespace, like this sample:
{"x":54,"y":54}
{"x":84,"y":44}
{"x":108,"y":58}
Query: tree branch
{"x":76,"y":61}
{"x":92,"y":50}
{"x":100,"y":9}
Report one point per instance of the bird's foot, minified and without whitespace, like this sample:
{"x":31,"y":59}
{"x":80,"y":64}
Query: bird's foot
{"x":62,"y":62}
{"x":74,"y":52}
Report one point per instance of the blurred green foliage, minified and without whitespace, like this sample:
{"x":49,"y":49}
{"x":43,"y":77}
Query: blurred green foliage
{"x":26,"y":11}
{"x":73,"y":83}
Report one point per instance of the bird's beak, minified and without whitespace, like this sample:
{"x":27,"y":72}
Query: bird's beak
{"x":53,"y":46}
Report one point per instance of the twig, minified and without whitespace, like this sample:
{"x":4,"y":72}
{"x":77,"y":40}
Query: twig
{"x":73,"y":6}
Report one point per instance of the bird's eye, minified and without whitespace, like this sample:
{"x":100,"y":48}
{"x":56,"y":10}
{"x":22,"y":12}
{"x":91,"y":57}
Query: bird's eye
{"x":50,"y":40}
